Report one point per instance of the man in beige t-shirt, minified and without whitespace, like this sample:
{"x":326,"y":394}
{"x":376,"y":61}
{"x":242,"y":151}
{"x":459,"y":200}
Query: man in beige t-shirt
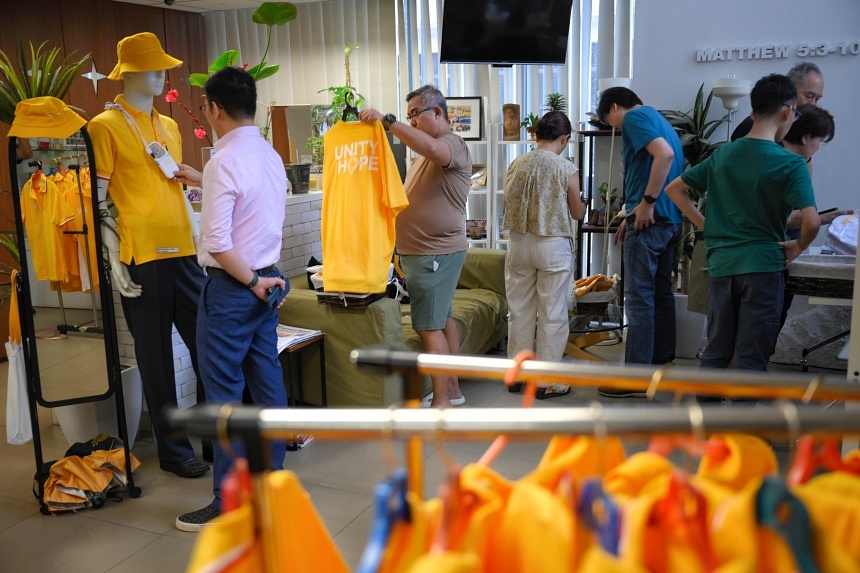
{"x":431,"y":231}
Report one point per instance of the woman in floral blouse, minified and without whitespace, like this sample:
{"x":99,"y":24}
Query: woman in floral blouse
{"x":542,"y":199}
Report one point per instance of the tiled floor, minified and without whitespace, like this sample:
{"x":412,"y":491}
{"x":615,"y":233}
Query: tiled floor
{"x":139,"y":534}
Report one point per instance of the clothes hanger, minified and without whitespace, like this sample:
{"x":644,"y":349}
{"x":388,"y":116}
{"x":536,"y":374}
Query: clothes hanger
{"x":777,"y":508}
{"x":600,"y":514}
{"x":391,"y":507}
{"x":350,"y":114}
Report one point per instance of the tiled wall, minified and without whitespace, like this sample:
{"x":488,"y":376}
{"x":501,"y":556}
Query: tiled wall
{"x":301,"y":240}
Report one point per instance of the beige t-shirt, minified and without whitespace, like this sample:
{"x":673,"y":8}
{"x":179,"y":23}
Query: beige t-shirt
{"x":434,"y":223}
{"x":536,"y":195}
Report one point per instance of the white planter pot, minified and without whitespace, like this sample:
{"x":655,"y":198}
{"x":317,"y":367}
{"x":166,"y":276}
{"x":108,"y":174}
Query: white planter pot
{"x":690,"y":329}
{"x":82,"y":422}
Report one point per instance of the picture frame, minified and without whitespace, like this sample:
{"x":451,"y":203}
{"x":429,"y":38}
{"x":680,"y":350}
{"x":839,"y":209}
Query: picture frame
{"x":479,"y":175}
{"x":466,"y":117}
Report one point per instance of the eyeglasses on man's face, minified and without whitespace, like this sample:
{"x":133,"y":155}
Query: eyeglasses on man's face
{"x":414,"y":114}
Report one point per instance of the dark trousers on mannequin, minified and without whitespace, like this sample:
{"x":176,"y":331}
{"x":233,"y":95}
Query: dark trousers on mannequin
{"x":171,"y":294}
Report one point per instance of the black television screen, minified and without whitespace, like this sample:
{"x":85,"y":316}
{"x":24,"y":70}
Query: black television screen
{"x":505,"y":31}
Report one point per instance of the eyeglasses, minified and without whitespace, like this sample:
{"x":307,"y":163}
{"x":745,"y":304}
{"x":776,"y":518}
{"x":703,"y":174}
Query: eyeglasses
{"x":205,"y":105}
{"x":417,"y":112}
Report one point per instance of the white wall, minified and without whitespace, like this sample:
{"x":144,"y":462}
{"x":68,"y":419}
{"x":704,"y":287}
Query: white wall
{"x":666,"y":75}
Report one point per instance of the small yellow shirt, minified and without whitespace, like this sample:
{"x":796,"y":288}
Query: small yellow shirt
{"x":153,"y":219}
{"x":45,"y":212}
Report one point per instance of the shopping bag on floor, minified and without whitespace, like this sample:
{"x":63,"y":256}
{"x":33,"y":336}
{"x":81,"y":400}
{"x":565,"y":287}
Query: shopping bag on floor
{"x":19,"y":429}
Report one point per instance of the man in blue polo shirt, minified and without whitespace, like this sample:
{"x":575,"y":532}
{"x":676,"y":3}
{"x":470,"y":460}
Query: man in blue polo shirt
{"x":652,"y":155}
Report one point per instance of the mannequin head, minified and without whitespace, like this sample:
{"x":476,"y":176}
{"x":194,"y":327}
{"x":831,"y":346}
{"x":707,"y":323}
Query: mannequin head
{"x":148,"y":84}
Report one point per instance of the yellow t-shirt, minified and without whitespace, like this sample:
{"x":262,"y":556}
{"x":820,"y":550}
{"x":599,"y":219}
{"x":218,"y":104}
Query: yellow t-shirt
{"x":153,"y":219}
{"x":362,"y":196}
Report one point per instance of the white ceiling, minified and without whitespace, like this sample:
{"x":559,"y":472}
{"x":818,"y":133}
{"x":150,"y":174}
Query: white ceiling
{"x":204,"y":5}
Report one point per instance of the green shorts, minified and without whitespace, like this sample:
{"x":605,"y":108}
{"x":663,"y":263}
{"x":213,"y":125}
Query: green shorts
{"x":432,"y":289}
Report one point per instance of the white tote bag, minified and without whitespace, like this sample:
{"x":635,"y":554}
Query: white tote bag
{"x":19,"y":427}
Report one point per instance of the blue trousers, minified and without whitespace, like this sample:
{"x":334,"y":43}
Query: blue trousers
{"x":743,"y":319}
{"x":648,"y":299}
{"x":237,"y":345}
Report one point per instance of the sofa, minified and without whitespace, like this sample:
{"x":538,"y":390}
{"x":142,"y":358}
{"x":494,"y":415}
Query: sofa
{"x":480,"y":313}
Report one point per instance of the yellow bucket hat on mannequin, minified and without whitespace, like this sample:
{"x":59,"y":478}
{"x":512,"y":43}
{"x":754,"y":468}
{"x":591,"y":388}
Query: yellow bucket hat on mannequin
{"x":141,"y":53}
{"x":45,"y":117}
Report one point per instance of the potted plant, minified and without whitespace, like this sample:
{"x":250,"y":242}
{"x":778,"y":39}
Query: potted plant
{"x":344,"y":98}
{"x":695,"y":131}
{"x":555,"y":102}
{"x":530,"y":123}
{"x":44,"y":74}
{"x":270,"y":14}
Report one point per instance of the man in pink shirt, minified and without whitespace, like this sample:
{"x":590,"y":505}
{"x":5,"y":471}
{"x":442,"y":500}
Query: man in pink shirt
{"x":244,"y":203}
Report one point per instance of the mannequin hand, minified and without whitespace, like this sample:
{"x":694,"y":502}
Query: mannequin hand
{"x":121,"y":278}
{"x":119,"y":272}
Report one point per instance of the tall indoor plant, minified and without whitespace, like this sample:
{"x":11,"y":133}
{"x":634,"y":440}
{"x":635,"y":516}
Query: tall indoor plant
{"x":695,"y":131}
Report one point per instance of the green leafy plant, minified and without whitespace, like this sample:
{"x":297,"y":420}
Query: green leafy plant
{"x":45,"y":74}
{"x":345,"y":96}
{"x":603,"y":190}
{"x":555,"y":102}
{"x":694,"y":128}
{"x":695,"y":131}
{"x":531,"y":120}
{"x":270,"y":14}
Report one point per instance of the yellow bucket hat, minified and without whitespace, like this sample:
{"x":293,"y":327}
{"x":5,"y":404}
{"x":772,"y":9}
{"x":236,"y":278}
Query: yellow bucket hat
{"x":141,"y":53}
{"x":45,"y":117}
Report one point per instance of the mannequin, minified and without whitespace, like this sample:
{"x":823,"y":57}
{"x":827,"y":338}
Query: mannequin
{"x":149,"y":238}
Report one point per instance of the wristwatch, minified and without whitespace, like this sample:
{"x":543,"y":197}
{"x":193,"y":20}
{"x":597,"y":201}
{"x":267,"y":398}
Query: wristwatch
{"x":388,"y":120}
{"x":649,"y":199}
{"x":254,"y":280}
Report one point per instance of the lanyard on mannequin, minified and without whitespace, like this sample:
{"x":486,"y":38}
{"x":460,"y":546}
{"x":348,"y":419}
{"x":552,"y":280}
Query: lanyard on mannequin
{"x":133,"y":124}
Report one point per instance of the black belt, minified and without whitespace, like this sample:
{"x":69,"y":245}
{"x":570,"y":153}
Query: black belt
{"x":216,"y":272}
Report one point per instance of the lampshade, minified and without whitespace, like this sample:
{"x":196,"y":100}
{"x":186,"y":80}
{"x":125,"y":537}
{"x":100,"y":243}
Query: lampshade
{"x":730,"y":91}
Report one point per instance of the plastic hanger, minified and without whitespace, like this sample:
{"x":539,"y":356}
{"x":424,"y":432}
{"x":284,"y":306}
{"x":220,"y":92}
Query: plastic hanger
{"x":528,"y":399}
{"x":684,"y":507}
{"x":391,"y":507}
{"x":812,"y":456}
{"x":600,"y":514}
{"x":777,"y":508}
{"x":350,"y":112}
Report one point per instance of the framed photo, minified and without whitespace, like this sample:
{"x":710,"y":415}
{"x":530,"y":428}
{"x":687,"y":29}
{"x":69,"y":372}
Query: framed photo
{"x":466,"y":117}
{"x":479,"y":175}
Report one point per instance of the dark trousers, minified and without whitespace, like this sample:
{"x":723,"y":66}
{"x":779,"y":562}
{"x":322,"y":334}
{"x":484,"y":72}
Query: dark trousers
{"x":171,"y":294}
{"x":743,"y":320}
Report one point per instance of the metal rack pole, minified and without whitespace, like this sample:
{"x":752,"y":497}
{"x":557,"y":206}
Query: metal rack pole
{"x":252,"y":423}
{"x":709,"y":382}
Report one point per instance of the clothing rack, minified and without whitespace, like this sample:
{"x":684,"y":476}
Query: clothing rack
{"x":708,"y":382}
{"x":64,"y":327}
{"x":251,"y":423}
{"x":84,"y":232}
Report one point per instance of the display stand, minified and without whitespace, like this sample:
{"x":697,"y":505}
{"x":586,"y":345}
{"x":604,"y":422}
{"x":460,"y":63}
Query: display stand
{"x":34,"y":386}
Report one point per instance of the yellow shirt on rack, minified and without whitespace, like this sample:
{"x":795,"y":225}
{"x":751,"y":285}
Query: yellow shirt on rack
{"x":153,"y":219}
{"x":44,"y":212}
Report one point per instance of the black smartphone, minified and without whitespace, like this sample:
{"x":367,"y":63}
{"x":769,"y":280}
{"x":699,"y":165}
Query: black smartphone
{"x":276,"y":295}
{"x":827,"y":210}
{"x":631,"y":218}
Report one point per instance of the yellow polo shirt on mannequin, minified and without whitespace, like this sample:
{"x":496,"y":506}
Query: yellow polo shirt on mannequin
{"x":153,"y":219}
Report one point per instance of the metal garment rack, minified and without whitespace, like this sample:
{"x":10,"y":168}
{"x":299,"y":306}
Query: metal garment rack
{"x":64,"y":327}
{"x":254,"y":426}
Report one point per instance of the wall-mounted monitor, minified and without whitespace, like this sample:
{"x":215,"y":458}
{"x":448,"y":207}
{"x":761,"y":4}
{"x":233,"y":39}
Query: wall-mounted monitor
{"x":505,"y":32}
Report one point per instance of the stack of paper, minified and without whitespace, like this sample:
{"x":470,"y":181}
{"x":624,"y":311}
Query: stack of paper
{"x":291,"y":335}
